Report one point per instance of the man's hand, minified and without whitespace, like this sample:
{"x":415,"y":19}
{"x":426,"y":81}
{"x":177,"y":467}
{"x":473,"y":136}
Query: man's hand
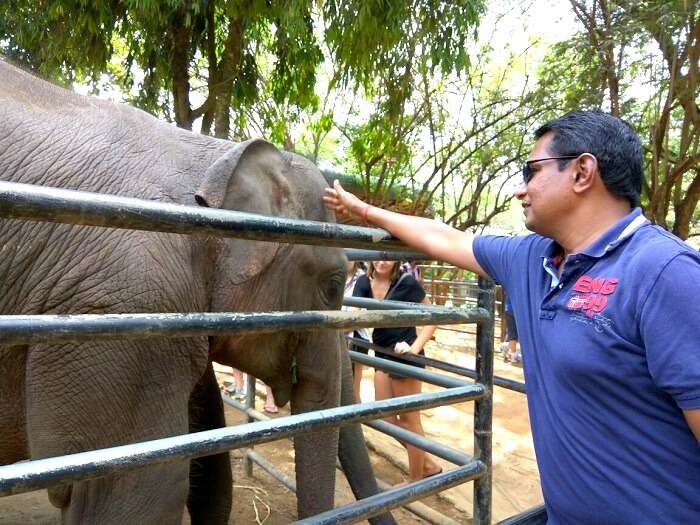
{"x":435,"y":239}
{"x":343,"y":202}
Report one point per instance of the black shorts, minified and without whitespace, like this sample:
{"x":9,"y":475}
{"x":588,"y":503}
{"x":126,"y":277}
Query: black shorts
{"x":398,"y":359}
{"x":511,"y":327}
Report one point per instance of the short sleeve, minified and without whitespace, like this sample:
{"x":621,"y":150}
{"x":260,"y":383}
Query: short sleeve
{"x":494,"y":254}
{"x":408,"y":289}
{"x":670,"y":330}
{"x":362,"y":287}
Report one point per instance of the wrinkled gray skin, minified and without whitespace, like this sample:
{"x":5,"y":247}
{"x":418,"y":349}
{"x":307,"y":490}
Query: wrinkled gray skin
{"x":59,"y":399}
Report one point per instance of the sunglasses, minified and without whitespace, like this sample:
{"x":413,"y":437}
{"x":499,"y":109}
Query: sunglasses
{"x":527,"y":168}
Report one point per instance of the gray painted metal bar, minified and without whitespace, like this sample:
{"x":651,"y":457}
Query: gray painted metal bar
{"x":251,"y":413}
{"x":503,"y":382}
{"x":253,"y":457}
{"x":447,"y":453}
{"x":390,"y":499}
{"x":422,"y":511}
{"x":249,"y":409}
{"x":430,"y":516}
{"x":38,"y":203}
{"x":483,"y":409}
{"x":28,"y":329}
{"x":43,"y":473}
{"x":355,"y":254}
{"x":474,"y":284}
{"x":408,"y":370}
{"x":532,"y":516}
{"x":450,"y":454}
{"x":474,"y":315}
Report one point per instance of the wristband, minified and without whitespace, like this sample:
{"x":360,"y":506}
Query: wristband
{"x":364,"y":214}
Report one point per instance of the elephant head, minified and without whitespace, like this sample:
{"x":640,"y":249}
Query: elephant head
{"x":303,"y":368}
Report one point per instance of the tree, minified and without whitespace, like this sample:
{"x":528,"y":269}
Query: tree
{"x":212,"y":59}
{"x":174,"y":48}
{"x":455,"y":144}
{"x":639,"y":60}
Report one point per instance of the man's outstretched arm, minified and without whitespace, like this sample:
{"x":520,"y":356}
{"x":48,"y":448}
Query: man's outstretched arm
{"x":428,"y":236}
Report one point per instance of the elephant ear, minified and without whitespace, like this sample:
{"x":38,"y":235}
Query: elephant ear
{"x":249,"y":177}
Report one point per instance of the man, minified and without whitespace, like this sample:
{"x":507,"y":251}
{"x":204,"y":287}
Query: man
{"x":609,"y":321}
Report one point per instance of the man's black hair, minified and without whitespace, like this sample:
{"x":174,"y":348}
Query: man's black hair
{"x":612,"y":141}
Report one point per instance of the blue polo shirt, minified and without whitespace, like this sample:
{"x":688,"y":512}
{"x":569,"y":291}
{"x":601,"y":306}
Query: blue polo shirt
{"x":611,"y":355}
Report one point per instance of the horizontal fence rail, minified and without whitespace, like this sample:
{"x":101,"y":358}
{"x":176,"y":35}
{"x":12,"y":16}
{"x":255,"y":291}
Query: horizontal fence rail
{"x":503,"y":382}
{"x":38,"y":203}
{"x":431,"y":516}
{"x":384,"y":501}
{"x":43,"y":473}
{"x":28,"y":329}
{"x":450,"y":454}
{"x":356,"y":254}
{"x":407,"y":370}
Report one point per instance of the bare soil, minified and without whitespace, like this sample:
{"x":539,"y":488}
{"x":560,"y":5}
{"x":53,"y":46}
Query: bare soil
{"x":262,"y":499}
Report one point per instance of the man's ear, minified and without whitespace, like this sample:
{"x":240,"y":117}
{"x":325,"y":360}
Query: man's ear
{"x":585,"y":171}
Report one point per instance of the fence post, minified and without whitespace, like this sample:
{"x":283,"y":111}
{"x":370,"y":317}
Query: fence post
{"x":483,"y":410}
{"x":249,"y":403}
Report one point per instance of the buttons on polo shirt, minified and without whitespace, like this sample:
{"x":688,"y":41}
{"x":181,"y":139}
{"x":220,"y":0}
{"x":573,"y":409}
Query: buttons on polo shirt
{"x":547,"y":314}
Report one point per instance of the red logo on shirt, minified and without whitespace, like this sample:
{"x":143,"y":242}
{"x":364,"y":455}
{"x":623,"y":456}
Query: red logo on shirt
{"x":592,"y":294}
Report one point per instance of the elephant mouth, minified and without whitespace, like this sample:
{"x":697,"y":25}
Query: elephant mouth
{"x":282,"y":394}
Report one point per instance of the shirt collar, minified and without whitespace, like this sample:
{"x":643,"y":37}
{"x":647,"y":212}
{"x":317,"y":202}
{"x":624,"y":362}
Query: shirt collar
{"x":609,"y":240}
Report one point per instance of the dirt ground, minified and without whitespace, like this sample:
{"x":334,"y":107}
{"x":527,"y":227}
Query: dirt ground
{"x":261,"y":499}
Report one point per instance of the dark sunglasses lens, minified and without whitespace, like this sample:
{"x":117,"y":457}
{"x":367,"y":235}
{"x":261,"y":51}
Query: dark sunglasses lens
{"x":527,"y":173}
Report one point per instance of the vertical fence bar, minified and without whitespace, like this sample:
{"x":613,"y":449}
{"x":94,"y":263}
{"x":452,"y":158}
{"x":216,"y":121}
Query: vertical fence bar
{"x":483,"y":410}
{"x":249,"y":403}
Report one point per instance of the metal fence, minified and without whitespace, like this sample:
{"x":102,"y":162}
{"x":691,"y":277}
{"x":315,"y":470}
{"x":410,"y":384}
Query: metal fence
{"x":20,"y":201}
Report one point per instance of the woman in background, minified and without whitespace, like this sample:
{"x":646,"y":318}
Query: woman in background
{"x":353,"y":274}
{"x":384,"y":281}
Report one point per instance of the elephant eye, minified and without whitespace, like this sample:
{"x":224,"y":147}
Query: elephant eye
{"x":333,"y":287}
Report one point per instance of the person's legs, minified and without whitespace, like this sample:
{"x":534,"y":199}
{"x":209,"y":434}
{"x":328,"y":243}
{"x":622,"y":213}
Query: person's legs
{"x":420,"y":464}
{"x":512,"y":338}
{"x":357,"y":380}
{"x":513,"y":350}
{"x":505,"y":349}
{"x":270,"y":406}
{"x":239,"y":381}
{"x":382,"y":390}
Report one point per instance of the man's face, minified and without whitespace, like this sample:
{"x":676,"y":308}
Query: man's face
{"x":544,"y":198}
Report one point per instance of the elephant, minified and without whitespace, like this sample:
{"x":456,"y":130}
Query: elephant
{"x":64,"y":398}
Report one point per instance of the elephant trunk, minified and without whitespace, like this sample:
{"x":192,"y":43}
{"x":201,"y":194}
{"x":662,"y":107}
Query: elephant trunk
{"x":315,"y":471}
{"x":316,"y":388}
{"x":352,"y":450}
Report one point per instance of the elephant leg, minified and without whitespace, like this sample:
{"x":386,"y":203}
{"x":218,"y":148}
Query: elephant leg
{"x":352,"y":450}
{"x":103,"y":394}
{"x":211,"y":484}
{"x":13,"y":441}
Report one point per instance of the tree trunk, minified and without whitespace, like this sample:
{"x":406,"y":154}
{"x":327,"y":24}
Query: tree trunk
{"x":228,"y":70}
{"x":684,"y":213}
{"x":181,"y":77}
